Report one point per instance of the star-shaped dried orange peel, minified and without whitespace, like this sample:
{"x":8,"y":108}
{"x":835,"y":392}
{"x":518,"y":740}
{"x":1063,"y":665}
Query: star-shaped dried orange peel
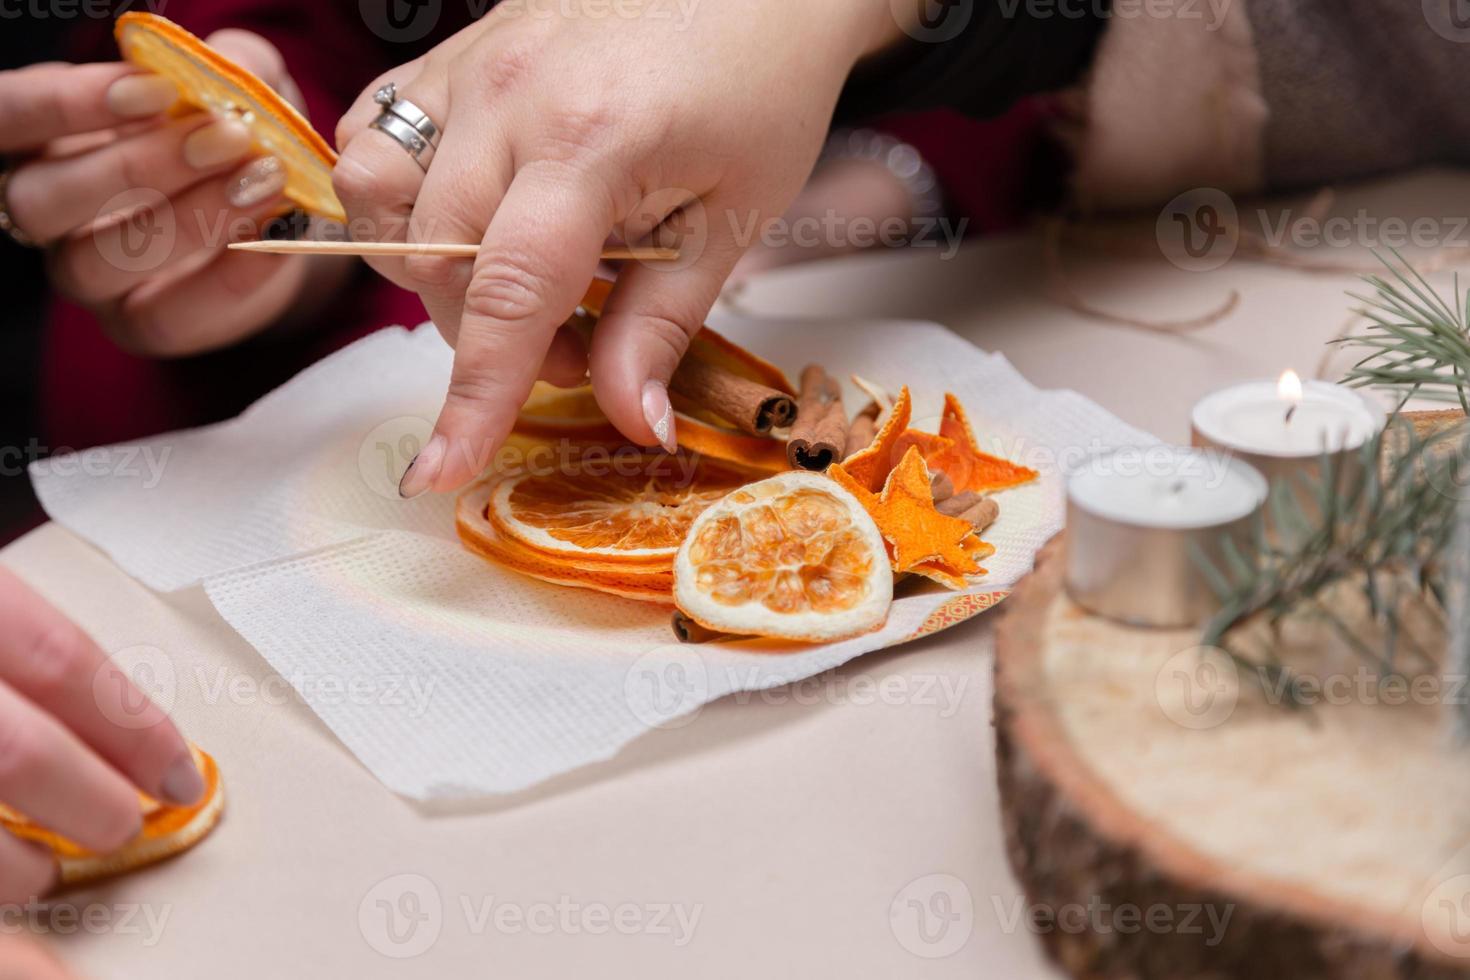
{"x":869,"y":468}
{"x":922,"y":539}
{"x":962,"y":461}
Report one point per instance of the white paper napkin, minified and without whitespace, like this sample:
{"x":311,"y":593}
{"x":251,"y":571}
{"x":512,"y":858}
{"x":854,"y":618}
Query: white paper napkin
{"x":450,"y":677}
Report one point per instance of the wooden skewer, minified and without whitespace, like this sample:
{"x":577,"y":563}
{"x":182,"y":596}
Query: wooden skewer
{"x":288,"y":247}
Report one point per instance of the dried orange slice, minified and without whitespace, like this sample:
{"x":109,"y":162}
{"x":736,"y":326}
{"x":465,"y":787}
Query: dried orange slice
{"x":208,"y":80}
{"x":565,"y":413}
{"x":639,"y":511}
{"x":792,"y":556}
{"x":572,"y":413}
{"x":167,"y":830}
{"x":481,"y":536}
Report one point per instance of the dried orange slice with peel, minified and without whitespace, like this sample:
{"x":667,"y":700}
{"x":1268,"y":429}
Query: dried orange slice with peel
{"x":792,"y":556}
{"x":639,"y":514}
{"x":481,"y":536}
{"x":209,"y":81}
{"x":573,"y":414}
{"x":167,"y":830}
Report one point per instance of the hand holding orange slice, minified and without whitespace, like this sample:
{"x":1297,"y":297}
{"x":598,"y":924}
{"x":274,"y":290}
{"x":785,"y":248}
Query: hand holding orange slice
{"x":208,"y":80}
{"x":167,"y":830}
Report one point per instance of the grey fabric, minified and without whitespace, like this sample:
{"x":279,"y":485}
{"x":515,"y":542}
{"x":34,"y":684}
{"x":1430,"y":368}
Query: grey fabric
{"x":1361,"y":87}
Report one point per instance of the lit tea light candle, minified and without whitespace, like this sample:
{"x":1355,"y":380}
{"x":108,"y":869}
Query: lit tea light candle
{"x":1286,"y":419}
{"x":1286,"y":429}
{"x":1138,"y":522}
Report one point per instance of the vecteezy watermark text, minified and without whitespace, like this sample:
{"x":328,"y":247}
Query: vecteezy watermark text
{"x":403,"y":916}
{"x":40,"y":918}
{"x":145,"y":463}
{"x":1100,"y":917}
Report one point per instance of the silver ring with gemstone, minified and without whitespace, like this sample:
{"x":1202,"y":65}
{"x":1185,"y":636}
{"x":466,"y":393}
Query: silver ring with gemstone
{"x":407,"y":137}
{"x":387,"y":97}
{"x":7,"y":223}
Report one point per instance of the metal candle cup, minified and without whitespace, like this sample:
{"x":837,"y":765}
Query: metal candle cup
{"x":1138,"y":523}
{"x":1286,"y":428}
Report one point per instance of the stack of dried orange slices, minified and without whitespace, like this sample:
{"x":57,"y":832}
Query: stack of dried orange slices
{"x":810,"y":553}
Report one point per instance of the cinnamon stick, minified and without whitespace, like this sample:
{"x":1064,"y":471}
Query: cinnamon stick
{"x":957,"y":504}
{"x":688,"y":631}
{"x":863,"y":431}
{"x":982,"y":513}
{"x":751,"y":406}
{"x":941,"y":487}
{"x":820,"y":431}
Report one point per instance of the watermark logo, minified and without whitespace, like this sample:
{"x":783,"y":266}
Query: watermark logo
{"x":1448,"y":470}
{"x":666,"y":687}
{"x":138,"y":230}
{"x":135,"y":678}
{"x":1198,"y":230}
{"x":938,"y":21}
{"x":933,"y":916}
{"x":401,"y":21}
{"x":671,"y":217}
{"x":1450,"y":19}
{"x":385,"y":453}
{"x":1445,"y":916}
{"x":401,"y":917}
{"x":1198,"y":688}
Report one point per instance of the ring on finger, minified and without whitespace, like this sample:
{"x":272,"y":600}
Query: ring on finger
{"x":387,"y":97}
{"x":7,"y":223}
{"x":407,"y":137}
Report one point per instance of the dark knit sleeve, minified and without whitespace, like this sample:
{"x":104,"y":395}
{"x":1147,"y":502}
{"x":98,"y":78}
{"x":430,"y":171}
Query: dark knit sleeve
{"x":978,"y":57}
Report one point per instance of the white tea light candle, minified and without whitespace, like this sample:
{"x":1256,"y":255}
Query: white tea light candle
{"x":1286,"y":419}
{"x":1285,"y":429}
{"x":1138,"y":522}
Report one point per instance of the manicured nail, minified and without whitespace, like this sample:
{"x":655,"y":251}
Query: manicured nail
{"x":182,"y":784}
{"x":424,"y":469}
{"x":137,"y":96}
{"x":216,"y":144}
{"x":256,"y":182}
{"x":659,"y":414}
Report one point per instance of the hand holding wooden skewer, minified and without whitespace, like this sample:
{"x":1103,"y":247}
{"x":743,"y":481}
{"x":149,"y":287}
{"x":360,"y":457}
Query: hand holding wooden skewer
{"x":451,"y":250}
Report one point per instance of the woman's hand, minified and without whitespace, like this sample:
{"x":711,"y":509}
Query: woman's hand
{"x":561,"y":131}
{"x":77,"y":741}
{"x":135,"y":207}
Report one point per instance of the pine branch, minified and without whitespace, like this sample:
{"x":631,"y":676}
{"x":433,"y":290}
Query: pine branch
{"x":1417,"y":342}
{"x":1389,"y":520}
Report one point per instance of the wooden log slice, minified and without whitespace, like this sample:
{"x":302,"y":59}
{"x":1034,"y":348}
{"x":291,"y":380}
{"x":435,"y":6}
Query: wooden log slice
{"x":1324,"y":842}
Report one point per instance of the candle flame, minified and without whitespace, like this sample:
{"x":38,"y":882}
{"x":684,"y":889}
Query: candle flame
{"x":1290,"y":388}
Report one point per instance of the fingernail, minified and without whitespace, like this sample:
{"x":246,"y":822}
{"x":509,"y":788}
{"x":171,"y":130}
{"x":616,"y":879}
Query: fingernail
{"x":216,"y":144}
{"x":182,"y":784}
{"x":256,"y":182}
{"x":659,"y":414}
{"x":136,"y":96}
{"x":424,"y":469}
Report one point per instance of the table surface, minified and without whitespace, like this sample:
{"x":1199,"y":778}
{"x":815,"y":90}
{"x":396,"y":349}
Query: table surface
{"x":813,"y":830}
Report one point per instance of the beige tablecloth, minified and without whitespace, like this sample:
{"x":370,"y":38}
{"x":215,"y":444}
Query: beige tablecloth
{"x":844,"y":827}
